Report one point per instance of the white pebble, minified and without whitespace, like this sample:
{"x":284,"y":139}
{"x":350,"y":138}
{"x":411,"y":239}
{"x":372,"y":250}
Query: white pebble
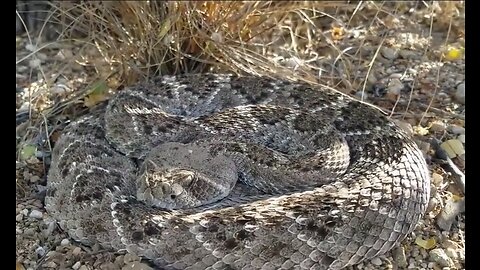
{"x":438,"y":126}
{"x":36,"y":214}
{"x":460,"y":93}
{"x":34,"y":178}
{"x":19,"y":217}
{"x":40,"y":251}
{"x":395,"y":86}
{"x":50,"y":264}
{"x":376,"y":261}
{"x":64,"y":242}
{"x":136,"y":266}
{"x":438,"y":255}
{"x":389,"y":53}
{"x":76,"y":251}
{"x":29,"y":231}
{"x":456,"y":129}
{"x":76,"y":265}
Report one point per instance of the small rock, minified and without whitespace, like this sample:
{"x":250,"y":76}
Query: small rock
{"x":76,"y":251}
{"x":439,"y":256}
{"x":36,"y":214}
{"x":34,"y":178}
{"x":136,"y":266}
{"x":50,"y":228}
{"x":437,"y":179}
{"x":34,"y":63}
{"x":376,"y":261}
{"x":83,"y":267}
{"x":396,"y":75}
{"x":460,"y":93}
{"x":130,"y":258}
{"x":389,"y":53}
{"x":394,"y":87}
{"x":19,"y":217}
{"x":447,"y":216}
{"x":399,"y":256}
{"x":452,"y":253}
{"x":461,"y":138}
{"x":407,"y":127}
{"x":76,"y":265}
{"x":50,"y":264}
{"x":447,"y":243}
{"x":40,"y":251}
{"x":432,"y":204}
{"x":438,"y":126}
{"x":65,"y":242}
{"x":29,"y":231}
{"x":456,"y":129}
{"x":407,"y":54}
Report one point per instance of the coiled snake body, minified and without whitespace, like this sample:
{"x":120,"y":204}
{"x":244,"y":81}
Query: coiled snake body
{"x":213,"y":171}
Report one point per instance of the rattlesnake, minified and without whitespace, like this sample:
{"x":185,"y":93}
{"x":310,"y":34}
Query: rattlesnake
{"x":313,"y":179}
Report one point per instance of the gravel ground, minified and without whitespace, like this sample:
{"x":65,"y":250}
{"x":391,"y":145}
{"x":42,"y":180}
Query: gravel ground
{"x":424,"y":94}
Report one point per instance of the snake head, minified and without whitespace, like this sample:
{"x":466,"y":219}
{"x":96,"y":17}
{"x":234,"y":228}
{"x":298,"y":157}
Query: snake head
{"x":167,"y":188}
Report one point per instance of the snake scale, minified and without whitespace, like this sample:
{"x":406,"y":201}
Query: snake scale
{"x":216,"y":171}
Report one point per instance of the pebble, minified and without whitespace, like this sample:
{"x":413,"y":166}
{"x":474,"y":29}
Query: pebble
{"x":76,"y":251}
{"x":407,"y":127}
{"x":407,"y":54}
{"x":34,"y":178}
{"x":437,"y":179}
{"x":127,"y":258}
{"x":460,"y":93}
{"x":19,"y":217}
{"x":136,"y":266}
{"x":83,"y":267}
{"x":399,"y":256}
{"x":36,"y":214}
{"x":50,"y":264}
{"x":29,"y":231}
{"x":432,"y":204}
{"x":389,"y":53}
{"x":449,"y":212}
{"x":438,"y":126}
{"x":452,"y":253}
{"x":461,"y":138}
{"x":439,"y":256}
{"x":50,"y":228}
{"x":65,"y":242}
{"x":40,"y":251}
{"x":447,"y":243}
{"x":76,"y":265}
{"x":376,"y":261}
{"x":456,"y":129}
{"x":34,"y":63}
{"x":395,"y":86}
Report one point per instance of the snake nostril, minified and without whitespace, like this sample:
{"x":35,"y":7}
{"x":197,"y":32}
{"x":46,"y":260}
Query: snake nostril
{"x":173,"y":196}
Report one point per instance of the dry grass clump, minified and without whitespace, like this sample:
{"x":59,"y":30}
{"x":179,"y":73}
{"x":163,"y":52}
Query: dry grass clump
{"x":117,"y":43}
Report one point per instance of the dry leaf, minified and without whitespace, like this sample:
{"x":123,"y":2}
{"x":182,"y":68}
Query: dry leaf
{"x":420,"y":130}
{"x":453,"y":148}
{"x":97,"y":94}
{"x":426,"y":244}
{"x":19,"y":266}
{"x":28,"y":151}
